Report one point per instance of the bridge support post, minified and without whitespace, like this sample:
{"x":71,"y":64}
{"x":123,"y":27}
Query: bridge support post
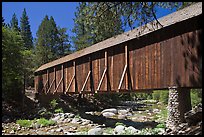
{"x":179,"y":102}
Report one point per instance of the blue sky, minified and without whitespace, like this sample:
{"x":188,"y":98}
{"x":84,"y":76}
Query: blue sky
{"x":62,"y":12}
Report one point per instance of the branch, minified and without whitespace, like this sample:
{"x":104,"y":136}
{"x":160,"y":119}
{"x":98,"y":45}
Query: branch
{"x":154,"y":15}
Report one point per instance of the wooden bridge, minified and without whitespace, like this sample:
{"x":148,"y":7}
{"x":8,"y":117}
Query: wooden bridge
{"x":143,"y":59}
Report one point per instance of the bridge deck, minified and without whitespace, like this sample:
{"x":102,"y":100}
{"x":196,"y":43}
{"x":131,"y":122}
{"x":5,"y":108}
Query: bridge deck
{"x":157,"y":59}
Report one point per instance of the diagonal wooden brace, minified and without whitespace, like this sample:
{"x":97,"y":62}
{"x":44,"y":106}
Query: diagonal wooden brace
{"x":50,"y":86}
{"x":101,"y":80}
{"x":82,"y":89}
{"x":122,"y":77}
{"x":58,"y":85}
{"x":68,"y":87}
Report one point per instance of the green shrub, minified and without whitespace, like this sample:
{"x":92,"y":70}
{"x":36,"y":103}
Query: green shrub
{"x":196,"y":97}
{"x":45,"y":122}
{"x":53,"y":104}
{"x":161,"y":125}
{"x":24,"y":123}
{"x":161,"y":96}
{"x":119,"y":123}
{"x":164,"y":95}
{"x":59,"y":110}
{"x":156,"y":95}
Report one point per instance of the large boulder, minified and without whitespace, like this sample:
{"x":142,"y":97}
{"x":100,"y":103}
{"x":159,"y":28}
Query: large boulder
{"x":119,"y":129}
{"x":95,"y":131}
{"x":108,"y":114}
{"x":112,"y":110}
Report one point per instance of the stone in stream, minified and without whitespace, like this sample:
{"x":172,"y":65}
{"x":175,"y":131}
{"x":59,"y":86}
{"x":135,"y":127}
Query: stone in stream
{"x":108,"y":114}
{"x":95,"y":131}
{"x":59,"y":129}
{"x":112,"y":110}
{"x":132,"y":130}
{"x":119,"y":129}
{"x":76,"y":121}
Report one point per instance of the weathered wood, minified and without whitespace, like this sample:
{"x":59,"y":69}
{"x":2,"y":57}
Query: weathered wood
{"x":85,"y":82}
{"x":168,"y":56}
{"x":70,"y":84}
{"x":58,"y":85}
{"x":50,"y":86}
{"x":101,"y":80}
{"x":122,"y":77}
{"x":166,"y":21}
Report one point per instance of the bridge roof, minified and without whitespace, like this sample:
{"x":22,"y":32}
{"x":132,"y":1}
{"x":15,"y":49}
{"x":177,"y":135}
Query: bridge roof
{"x":178,"y":16}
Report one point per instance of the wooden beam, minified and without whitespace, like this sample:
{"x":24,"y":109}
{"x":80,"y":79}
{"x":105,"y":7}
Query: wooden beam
{"x":75,"y":82}
{"x":50,"y":86}
{"x":48,"y":77}
{"x":54,"y":78}
{"x":122,"y":77}
{"x":126,"y":63}
{"x":62,"y":78}
{"x":70,"y":84}
{"x":58,"y":85}
{"x":101,"y":80}
{"x":106,"y":67}
{"x":44,"y":86}
{"x":82,"y":89}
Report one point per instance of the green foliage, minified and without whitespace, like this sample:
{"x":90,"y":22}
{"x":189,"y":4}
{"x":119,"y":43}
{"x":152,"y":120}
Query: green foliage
{"x":161,"y":95}
{"x":44,"y":122}
{"x":51,"y":42}
{"x":133,"y":14}
{"x":25,"y":31}
{"x":90,"y":30}
{"x":196,"y":96}
{"x":161,"y":125}
{"x":59,"y":110}
{"x":12,"y":58}
{"x":24,"y":123}
{"x":53,"y":103}
{"x":118,"y":123}
{"x":14,"y":23}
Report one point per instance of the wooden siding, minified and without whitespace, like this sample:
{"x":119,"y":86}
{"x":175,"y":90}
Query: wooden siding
{"x":167,"y":57}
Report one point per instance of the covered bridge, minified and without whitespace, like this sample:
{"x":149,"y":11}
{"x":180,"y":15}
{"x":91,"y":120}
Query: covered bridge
{"x":143,"y":59}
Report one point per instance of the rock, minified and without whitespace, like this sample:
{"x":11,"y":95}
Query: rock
{"x":95,"y":131}
{"x":75,"y":121}
{"x":108,"y":114}
{"x":56,"y":119}
{"x":112,"y":110}
{"x":89,"y":113}
{"x":122,"y":112}
{"x":59,"y":129}
{"x":156,"y":110}
{"x":132,"y":130}
{"x":122,"y":116}
{"x":119,"y":129}
{"x":12,"y":132}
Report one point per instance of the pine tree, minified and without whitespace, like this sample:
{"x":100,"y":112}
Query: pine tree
{"x":64,"y":43}
{"x":51,"y":42}
{"x":14,"y":23}
{"x":90,"y":30}
{"x":25,"y":31}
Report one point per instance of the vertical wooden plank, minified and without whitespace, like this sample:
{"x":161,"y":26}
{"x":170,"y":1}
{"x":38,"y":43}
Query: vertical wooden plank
{"x":159,"y":66}
{"x":74,"y":71}
{"x":54,"y":79}
{"x":126,"y":63}
{"x":106,"y":67}
{"x":47,"y":80}
{"x":62,"y":78}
